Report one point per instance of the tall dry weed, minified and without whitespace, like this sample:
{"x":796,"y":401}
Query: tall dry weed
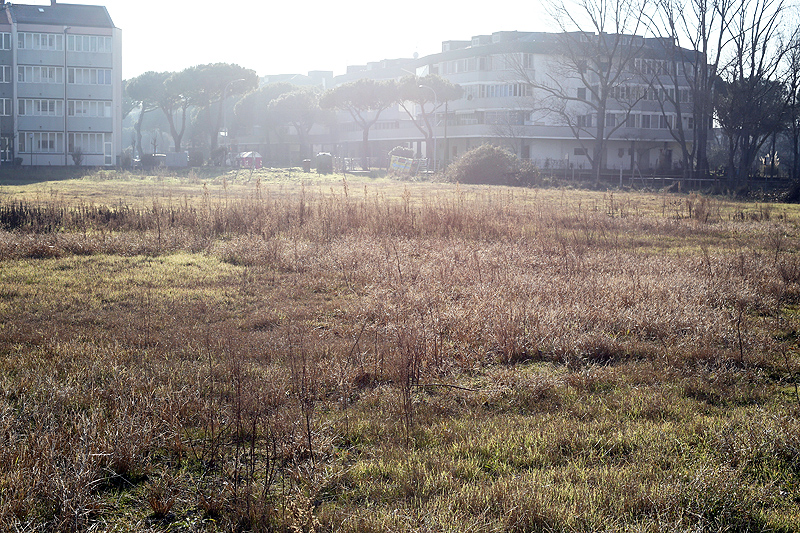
{"x":287,"y":333}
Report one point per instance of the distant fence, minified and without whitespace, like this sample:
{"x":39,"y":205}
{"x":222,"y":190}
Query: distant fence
{"x":657,"y":179}
{"x":402,"y":165}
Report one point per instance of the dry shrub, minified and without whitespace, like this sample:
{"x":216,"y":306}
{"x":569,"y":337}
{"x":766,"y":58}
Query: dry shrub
{"x":161,"y":496}
{"x":485,"y":164}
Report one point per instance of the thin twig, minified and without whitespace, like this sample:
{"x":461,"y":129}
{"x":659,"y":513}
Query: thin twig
{"x":447,"y":386}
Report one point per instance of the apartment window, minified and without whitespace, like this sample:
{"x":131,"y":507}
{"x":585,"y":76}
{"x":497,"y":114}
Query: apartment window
{"x":494,"y":117}
{"x":579,"y":151}
{"x":509,"y":90}
{"x":506,"y":62}
{"x":467,"y":119}
{"x":623,"y":92}
{"x":40,"y":41}
{"x":527,"y":60}
{"x":89,"y":43}
{"x":40,"y":108}
{"x":385,"y":125}
{"x":41,"y":142}
{"x":581,"y":93}
{"x":5,"y":41}
{"x":89,"y":76}
{"x":40,"y":74}
{"x":656,"y":121}
{"x":88,"y":143}
{"x":5,"y":107}
{"x":646,"y":121}
{"x":89,"y":108}
{"x":665,"y":122}
{"x":5,"y":74}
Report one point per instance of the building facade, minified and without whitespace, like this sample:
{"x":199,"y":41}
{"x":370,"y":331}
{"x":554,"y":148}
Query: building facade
{"x":60,"y":85}
{"x":508,"y":99}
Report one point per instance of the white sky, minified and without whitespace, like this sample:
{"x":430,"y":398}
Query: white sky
{"x":291,"y":36}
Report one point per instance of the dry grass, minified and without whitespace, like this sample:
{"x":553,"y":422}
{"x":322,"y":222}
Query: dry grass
{"x":261,"y":353}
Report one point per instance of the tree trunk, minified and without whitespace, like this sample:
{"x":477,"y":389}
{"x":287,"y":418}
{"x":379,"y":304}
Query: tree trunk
{"x":598,"y":152}
{"x":177,"y":136}
{"x":365,"y":149}
{"x":139,"y":133}
{"x":701,"y":156}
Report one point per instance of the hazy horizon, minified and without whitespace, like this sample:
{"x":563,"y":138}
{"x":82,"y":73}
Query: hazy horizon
{"x":261,"y":36}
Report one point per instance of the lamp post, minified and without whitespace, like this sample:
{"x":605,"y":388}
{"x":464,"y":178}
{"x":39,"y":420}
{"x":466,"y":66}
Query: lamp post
{"x":433,"y":132}
{"x":224,"y":114}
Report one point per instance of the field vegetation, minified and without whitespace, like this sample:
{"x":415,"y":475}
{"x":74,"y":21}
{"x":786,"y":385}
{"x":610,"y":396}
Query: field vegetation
{"x":285,"y":352}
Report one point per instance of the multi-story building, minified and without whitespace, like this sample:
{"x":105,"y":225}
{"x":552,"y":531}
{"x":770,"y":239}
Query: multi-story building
{"x":60,"y":85}
{"x":503,"y":76}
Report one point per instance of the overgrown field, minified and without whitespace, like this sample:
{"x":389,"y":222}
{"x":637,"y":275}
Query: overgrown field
{"x":280,"y":352}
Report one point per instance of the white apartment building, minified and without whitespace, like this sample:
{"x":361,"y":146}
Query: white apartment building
{"x":60,"y":85}
{"x":501,"y":105}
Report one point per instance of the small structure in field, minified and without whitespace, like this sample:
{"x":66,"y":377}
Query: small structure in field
{"x":249,"y":160}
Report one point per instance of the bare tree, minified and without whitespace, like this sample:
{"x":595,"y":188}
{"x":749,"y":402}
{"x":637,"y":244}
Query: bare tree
{"x":587,"y":83}
{"x":684,"y":87}
{"x":792,"y":80}
{"x":696,"y":35}
{"x":749,"y":96}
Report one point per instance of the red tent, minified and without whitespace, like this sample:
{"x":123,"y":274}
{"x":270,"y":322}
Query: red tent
{"x":249,"y":160}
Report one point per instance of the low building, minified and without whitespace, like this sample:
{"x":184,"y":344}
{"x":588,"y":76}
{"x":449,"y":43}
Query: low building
{"x":503,"y":76}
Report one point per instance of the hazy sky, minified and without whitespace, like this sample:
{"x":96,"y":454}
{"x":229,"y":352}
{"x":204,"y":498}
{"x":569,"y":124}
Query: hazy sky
{"x":289,"y":36}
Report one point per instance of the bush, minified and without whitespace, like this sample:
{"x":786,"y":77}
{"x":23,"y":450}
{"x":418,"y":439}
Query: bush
{"x":324,"y":163}
{"x":195,"y":159}
{"x":150,"y":161}
{"x":486,"y":164}
{"x":217,"y":156}
{"x":528,"y":174}
{"x":77,"y":157}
